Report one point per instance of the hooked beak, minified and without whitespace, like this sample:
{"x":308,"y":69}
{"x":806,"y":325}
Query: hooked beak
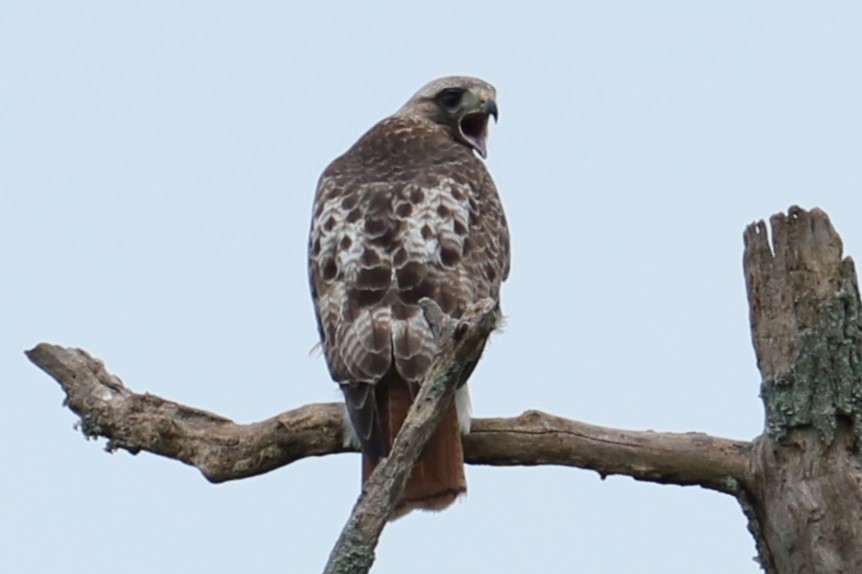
{"x":474,"y":126}
{"x":489,"y":107}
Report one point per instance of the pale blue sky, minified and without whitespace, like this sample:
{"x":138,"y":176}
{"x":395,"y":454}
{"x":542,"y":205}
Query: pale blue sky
{"x":157,"y":166}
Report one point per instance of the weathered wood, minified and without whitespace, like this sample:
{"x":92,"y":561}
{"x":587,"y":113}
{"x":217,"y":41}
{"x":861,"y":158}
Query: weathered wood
{"x":805,"y":500}
{"x":799,"y":484}
{"x":224,"y":450}
{"x":220,"y":448}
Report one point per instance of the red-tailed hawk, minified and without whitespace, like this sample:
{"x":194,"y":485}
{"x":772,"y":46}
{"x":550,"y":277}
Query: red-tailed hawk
{"x":408,"y":212}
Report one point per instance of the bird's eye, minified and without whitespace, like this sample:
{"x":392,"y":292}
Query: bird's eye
{"x":451,"y":98}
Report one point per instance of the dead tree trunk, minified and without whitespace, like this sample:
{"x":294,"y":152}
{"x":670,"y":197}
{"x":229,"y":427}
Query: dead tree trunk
{"x":799,"y":483}
{"x":804,"y":500}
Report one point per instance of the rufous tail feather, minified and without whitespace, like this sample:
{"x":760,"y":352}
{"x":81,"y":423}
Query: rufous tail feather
{"x":438,"y":477}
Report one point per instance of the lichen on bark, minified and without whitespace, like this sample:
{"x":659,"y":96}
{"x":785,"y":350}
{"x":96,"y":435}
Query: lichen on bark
{"x":824,"y":382}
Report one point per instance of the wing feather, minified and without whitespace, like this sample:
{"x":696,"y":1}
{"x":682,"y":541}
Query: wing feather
{"x":383,"y":236}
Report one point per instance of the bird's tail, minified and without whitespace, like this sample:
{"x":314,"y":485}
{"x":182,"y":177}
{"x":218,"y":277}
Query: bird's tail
{"x":438,"y":477}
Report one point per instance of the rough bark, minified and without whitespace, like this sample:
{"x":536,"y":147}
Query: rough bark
{"x":805,"y":501}
{"x":224,"y":450}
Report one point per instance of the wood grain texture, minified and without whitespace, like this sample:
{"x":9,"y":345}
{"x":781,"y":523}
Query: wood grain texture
{"x":805,"y":504}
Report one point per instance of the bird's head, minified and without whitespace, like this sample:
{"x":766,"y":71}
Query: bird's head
{"x":460,"y":104}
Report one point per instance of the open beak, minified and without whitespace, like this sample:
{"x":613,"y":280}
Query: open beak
{"x":474,"y":126}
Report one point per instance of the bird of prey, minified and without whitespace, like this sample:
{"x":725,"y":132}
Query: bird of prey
{"x":408,"y":212}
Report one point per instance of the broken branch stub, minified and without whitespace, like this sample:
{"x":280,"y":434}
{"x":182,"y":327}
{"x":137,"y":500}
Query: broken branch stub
{"x":805,"y":502}
{"x":805,"y":322}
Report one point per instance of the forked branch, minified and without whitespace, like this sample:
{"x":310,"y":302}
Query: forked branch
{"x":224,"y":450}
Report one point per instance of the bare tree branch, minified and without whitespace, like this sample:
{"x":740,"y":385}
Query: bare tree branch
{"x":224,"y":450}
{"x":221,"y":449}
{"x":460,"y":344}
{"x":537,"y":438}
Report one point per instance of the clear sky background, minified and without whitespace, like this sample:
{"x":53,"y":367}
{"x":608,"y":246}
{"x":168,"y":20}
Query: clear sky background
{"x":157,"y":167}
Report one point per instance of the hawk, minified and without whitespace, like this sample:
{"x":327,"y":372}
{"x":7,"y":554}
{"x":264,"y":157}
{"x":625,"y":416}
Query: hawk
{"x":408,"y":212}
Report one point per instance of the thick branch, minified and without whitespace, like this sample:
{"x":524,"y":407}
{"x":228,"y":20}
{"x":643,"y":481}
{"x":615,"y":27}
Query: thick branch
{"x":805,"y":504}
{"x":224,"y":450}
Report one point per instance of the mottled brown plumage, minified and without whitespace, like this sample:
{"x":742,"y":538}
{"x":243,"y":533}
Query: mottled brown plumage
{"x":408,"y":212}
